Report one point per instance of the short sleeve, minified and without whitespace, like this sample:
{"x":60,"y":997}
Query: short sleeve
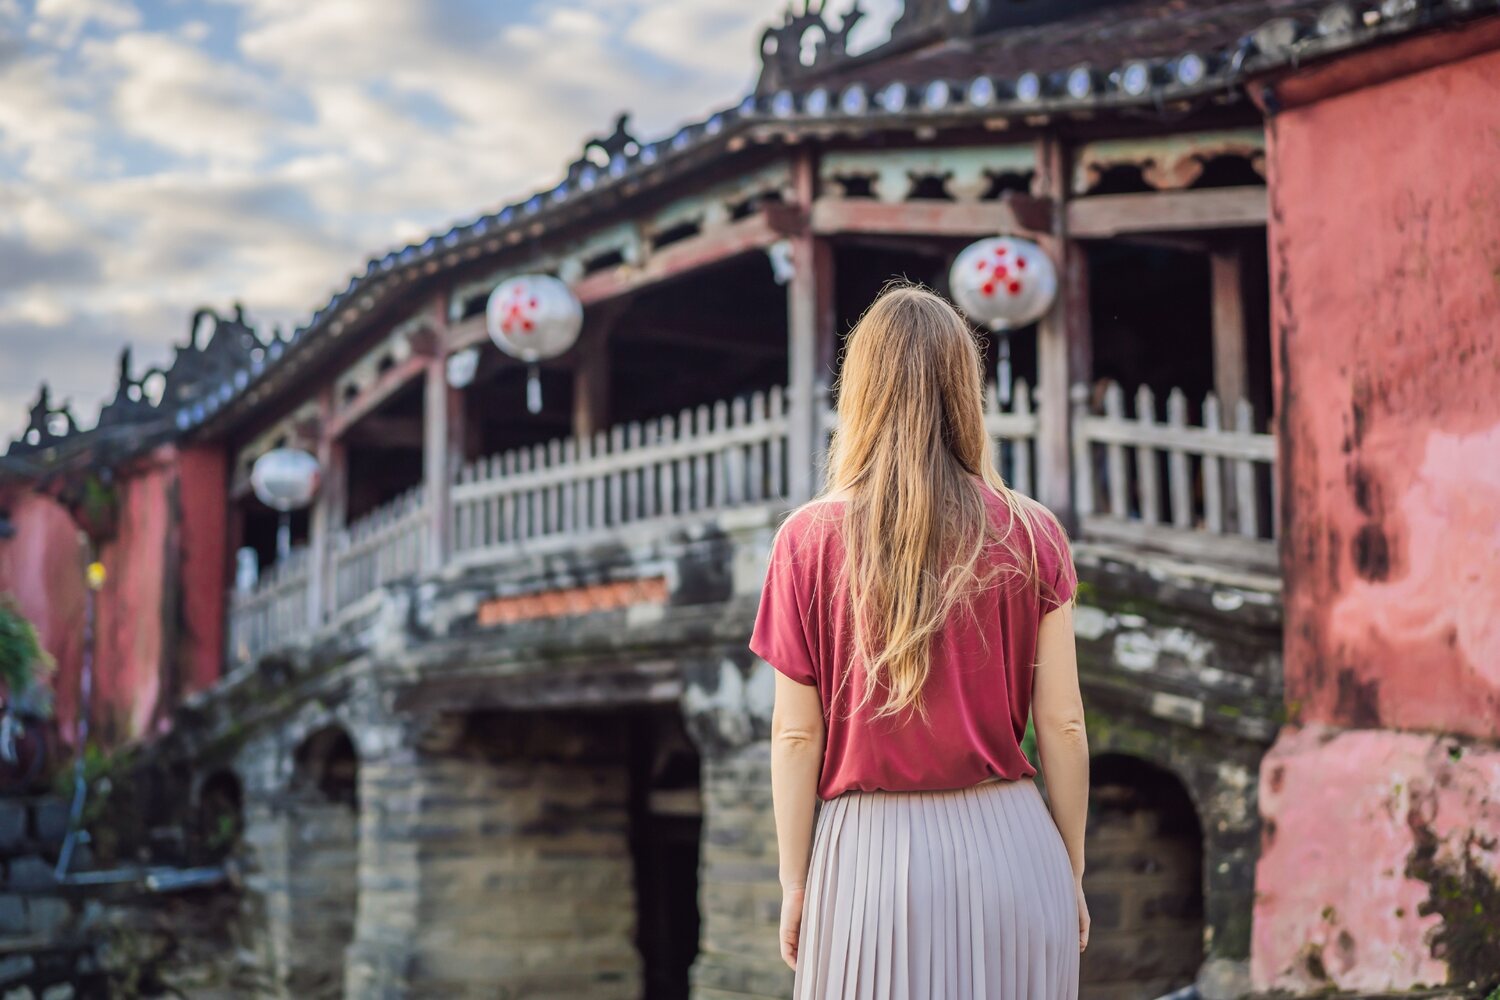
{"x":780,"y":633}
{"x":1054,"y":560}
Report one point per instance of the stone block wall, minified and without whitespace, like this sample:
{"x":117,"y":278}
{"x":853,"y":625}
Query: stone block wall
{"x":306,"y":853}
{"x":498,"y":865}
{"x":739,"y":892}
{"x":46,"y":946}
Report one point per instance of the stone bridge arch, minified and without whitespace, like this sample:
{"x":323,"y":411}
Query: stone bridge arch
{"x":1144,"y":881}
{"x":1217,"y":772}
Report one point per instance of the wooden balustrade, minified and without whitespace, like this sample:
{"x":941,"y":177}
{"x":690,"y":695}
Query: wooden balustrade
{"x":272,"y":614}
{"x":703,"y":460}
{"x":1204,"y":488}
{"x":1012,"y":434}
{"x":385,"y":545}
{"x":1200,"y":488}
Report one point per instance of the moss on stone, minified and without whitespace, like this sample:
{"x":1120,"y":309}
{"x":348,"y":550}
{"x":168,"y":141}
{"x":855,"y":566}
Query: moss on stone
{"x":1467,"y":898}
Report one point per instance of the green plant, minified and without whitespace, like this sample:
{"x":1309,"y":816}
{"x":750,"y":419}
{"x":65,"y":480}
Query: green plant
{"x":22,"y":658}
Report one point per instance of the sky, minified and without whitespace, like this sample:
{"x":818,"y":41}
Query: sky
{"x":158,"y":156}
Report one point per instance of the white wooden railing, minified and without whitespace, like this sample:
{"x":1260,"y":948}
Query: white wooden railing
{"x":1203,"y":489}
{"x":1200,"y":487}
{"x":275,"y":612}
{"x":703,"y":460}
{"x":383,"y":546}
{"x":1012,"y":434}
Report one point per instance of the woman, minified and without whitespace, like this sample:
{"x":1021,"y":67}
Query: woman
{"x":916,"y":612}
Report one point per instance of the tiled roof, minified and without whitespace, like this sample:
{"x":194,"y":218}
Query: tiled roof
{"x":1135,"y":55}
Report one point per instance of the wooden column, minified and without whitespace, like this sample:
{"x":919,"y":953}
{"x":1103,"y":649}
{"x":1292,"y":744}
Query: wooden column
{"x":810,"y":319}
{"x":1231,"y":383}
{"x":442,"y":441}
{"x":591,"y":375}
{"x":1063,"y":354}
{"x":327,"y":513}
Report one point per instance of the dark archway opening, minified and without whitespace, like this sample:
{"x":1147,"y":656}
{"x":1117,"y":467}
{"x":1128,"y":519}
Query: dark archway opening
{"x":1144,"y":882}
{"x":594,"y":811}
{"x":666,"y":825}
{"x":322,"y":863}
{"x":221,"y":815}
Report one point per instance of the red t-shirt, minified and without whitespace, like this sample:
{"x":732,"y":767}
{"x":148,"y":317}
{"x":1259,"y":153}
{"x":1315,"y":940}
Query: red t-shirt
{"x":977,"y":694}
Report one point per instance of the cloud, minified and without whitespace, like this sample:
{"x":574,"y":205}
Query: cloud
{"x":27,"y":265}
{"x":41,"y":131}
{"x":61,"y":22}
{"x":261,"y":150}
{"x":171,"y":93}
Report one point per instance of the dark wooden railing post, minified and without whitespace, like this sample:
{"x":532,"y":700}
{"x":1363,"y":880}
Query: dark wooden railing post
{"x":810,"y":321}
{"x":1063,"y":339}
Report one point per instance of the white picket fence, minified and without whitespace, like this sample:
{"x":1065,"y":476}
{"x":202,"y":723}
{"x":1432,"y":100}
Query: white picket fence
{"x":1012,"y":434}
{"x":275,"y":612}
{"x":1202,"y":489}
{"x":703,"y":460}
{"x":385,"y":545}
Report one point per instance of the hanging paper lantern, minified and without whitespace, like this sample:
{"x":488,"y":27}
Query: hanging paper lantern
{"x":1004,"y":283}
{"x":533,"y":317}
{"x":285,"y":479}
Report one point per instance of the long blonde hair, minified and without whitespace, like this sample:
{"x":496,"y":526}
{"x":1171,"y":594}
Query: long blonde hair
{"x":910,"y":457}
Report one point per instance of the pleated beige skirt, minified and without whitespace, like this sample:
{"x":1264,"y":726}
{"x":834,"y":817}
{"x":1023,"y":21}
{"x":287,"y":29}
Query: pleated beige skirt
{"x":954,"y":895}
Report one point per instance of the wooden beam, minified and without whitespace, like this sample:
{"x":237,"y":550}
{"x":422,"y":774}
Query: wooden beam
{"x":733,"y":239}
{"x":470,"y":332}
{"x":1106,"y":215}
{"x":385,"y":432}
{"x":1021,"y":215}
{"x":390,"y":382}
{"x":728,"y":341}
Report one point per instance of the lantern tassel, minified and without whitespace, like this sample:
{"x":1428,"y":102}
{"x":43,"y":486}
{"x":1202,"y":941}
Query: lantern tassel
{"x":533,"y":390}
{"x":1002,"y":369}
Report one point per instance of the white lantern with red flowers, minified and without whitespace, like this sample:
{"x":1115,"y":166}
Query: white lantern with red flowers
{"x":1005,"y":283}
{"x":533,"y":317}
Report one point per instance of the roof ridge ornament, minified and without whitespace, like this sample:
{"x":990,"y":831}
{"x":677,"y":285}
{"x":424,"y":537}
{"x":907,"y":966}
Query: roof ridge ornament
{"x":132,"y":400}
{"x":600,"y":153}
{"x":804,"y":43}
{"x":43,"y":427}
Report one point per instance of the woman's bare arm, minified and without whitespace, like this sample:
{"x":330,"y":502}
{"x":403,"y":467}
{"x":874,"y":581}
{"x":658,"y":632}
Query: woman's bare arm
{"x":1062,"y":743}
{"x":797,"y":736}
{"x":796,"y":761}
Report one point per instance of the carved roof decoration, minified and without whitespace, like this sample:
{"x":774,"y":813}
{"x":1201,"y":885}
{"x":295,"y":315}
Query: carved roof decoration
{"x":938,"y":71}
{"x":222,"y":356}
{"x":48,"y":424}
{"x":803,"y":44}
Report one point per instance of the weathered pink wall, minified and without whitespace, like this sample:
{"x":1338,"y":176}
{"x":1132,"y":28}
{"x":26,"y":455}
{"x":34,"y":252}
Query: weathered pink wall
{"x":203,"y":474}
{"x":159,"y":617}
{"x":42,"y":568}
{"x":1387,"y":258}
{"x":1376,"y":849}
{"x":1385,"y":242}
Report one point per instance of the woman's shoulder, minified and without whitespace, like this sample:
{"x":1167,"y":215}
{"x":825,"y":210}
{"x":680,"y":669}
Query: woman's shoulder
{"x":811,"y":524}
{"x":1018,"y":512}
